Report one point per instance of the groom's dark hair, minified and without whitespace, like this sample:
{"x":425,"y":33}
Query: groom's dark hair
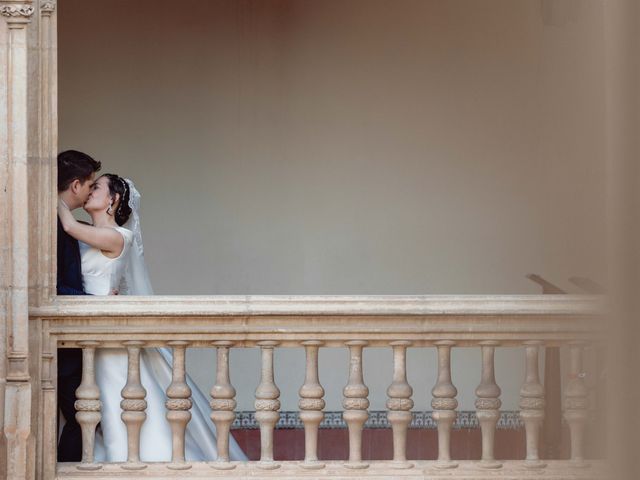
{"x":74,"y":165}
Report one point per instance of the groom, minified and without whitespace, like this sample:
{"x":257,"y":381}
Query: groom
{"x":76,"y":174}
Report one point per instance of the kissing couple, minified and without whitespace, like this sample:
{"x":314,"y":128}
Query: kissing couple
{"x":106,"y":257}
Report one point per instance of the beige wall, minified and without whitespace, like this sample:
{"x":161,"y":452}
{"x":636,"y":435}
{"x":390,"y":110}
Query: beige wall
{"x":363,"y":146}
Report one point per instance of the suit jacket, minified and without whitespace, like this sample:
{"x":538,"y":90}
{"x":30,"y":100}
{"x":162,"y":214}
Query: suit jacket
{"x":69,"y":281}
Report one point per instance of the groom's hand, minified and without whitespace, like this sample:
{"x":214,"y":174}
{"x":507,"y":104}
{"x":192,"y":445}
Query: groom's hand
{"x":114,"y":292}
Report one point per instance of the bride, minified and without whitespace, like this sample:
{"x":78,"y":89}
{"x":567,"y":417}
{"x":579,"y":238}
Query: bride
{"x":113,"y":262}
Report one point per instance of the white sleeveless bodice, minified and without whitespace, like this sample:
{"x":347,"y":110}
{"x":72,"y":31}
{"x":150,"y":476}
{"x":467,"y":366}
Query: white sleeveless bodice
{"x":101,"y":274}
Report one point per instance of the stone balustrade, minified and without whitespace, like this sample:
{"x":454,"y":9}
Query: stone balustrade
{"x":314,"y":323}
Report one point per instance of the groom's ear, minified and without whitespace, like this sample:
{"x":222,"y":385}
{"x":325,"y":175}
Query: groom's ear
{"x":75,"y":185}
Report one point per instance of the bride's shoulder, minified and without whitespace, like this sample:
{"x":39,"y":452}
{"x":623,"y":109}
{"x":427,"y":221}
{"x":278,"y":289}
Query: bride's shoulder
{"x":126,"y":233}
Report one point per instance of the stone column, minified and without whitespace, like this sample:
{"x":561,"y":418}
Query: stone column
{"x":311,"y":405}
{"x":88,"y":405}
{"x":488,"y":405}
{"x":15,"y":387}
{"x":444,"y":404}
{"x":223,"y":404}
{"x":355,"y":404}
{"x":622,"y":190}
{"x":42,"y":245}
{"x":14,"y":158}
{"x":267,"y":406}
{"x":48,"y":135}
{"x":49,"y":403}
{"x":532,"y":405}
{"x":576,"y":404}
{"x":178,"y":405}
{"x":400,"y":404}
{"x":133,"y":406}
{"x":552,"y":424}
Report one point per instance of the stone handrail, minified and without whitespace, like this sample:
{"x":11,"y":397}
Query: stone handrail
{"x":433,"y":305}
{"x":292,"y":319}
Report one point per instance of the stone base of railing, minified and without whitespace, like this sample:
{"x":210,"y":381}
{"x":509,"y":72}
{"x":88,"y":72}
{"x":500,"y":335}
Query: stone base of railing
{"x":469,"y":470}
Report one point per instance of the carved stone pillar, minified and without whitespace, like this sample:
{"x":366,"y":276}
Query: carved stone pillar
{"x":400,"y":404}
{"x":178,"y":405}
{"x":488,"y":405}
{"x":576,"y":404}
{"x":133,"y":406}
{"x":88,"y":405}
{"x":267,"y":406}
{"x":43,"y":243}
{"x":532,"y":405}
{"x":14,"y":145}
{"x":15,"y":387}
{"x":444,"y":404}
{"x":223,"y":404}
{"x":552,"y":424}
{"x":48,"y":134}
{"x":311,"y":405}
{"x":49,"y":404}
{"x":355,"y":404}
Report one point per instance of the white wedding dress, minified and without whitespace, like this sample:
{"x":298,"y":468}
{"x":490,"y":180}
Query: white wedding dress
{"x":100,"y":275}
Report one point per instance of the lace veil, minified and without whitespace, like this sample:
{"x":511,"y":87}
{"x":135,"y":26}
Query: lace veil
{"x":136,"y":279}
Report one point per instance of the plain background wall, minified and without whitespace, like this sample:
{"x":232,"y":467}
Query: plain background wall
{"x":348,"y":147}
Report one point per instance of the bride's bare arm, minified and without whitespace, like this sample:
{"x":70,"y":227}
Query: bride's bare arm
{"x":106,"y":239}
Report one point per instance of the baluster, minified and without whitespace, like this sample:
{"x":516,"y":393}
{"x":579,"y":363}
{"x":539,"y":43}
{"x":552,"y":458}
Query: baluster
{"x":400,"y":404}
{"x":488,"y":405}
{"x":178,"y":405}
{"x":552,"y":427}
{"x":267,"y":406}
{"x":576,"y":404}
{"x":444,"y":404}
{"x":311,"y":405}
{"x":223,"y":405}
{"x":88,"y":405}
{"x":355,"y":404}
{"x":532,"y":405}
{"x":133,"y":406}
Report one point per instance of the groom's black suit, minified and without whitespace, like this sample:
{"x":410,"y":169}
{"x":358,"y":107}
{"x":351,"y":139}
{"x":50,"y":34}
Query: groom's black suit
{"x":69,"y":282}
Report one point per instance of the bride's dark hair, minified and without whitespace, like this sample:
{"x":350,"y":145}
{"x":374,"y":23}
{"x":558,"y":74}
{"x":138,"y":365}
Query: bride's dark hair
{"x":119,"y":185}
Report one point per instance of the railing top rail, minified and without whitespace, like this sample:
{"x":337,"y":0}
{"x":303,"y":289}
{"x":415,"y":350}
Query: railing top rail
{"x":334,"y":305}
